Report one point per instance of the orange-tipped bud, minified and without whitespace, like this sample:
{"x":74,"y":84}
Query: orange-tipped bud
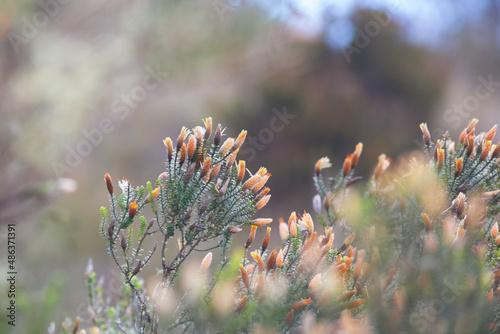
{"x":252,"y":181}
{"x":320,"y":164}
{"x":283,"y":231}
{"x":280,"y":258}
{"x":301,"y":304}
{"x":234,"y":229}
{"x":251,"y":237}
{"x":315,"y":282}
{"x":485,"y":151}
{"x":440,"y":158}
{"x":357,"y":268}
{"x":226,"y":146}
{"x":244,"y":277}
{"x":215,"y":172}
{"x":472,"y":125}
{"x":463,"y":136}
{"x":261,"y":221}
{"x":260,"y":263}
{"x":182,"y":136}
{"x":497,"y":240}
{"x":231,"y":158}
{"x":346,"y":296}
{"x":496,"y":151}
{"x":459,"y":204}
{"x":132,"y":210}
{"x":182,"y":153}
{"x":426,"y":134}
{"x":494,"y":231}
{"x":207,"y":260}
{"x":490,"y":193}
{"x":169,"y":146}
{"x":208,"y":127}
{"x":218,"y":135}
{"x":489,"y":299}
{"x":109,"y":183}
{"x":262,"y":202}
{"x":427,"y":221}
{"x":306,"y":222}
{"x":383,"y":163}
{"x":491,"y":134}
{"x":265,"y":242}
{"x":241,"y":171}
{"x":470,"y":145}
{"x":346,"y":168}
{"x":353,"y":304}
{"x":289,"y":318}
{"x":153,"y":195}
{"x":240,"y":140}
{"x":262,"y":193}
{"x":261,"y":183}
{"x":241,"y":304}
{"x":356,"y":155}
{"x":292,"y":224}
{"x":459,"y":165}
{"x":271,"y":260}
{"x":191,"y":147}
{"x":206,"y":167}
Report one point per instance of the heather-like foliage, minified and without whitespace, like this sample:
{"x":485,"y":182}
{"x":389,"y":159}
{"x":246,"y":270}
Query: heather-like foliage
{"x":416,"y":252}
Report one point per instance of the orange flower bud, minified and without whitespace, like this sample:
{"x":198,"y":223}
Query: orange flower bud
{"x":262,"y":202}
{"x":346,"y":168}
{"x":494,"y":230}
{"x":271,"y":260}
{"x":241,"y":304}
{"x":169,"y":146}
{"x":489,"y":299}
{"x":132,"y":210}
{"x":261,"y":221}
{"x":472,"y":125}
{"x":240,"y":140}
{"x":208,"y":127}
{"x":206,"y":167}
{"x":485,"y":151}
{"x":459,"y":165}
{"x":353,"y":304}
{"x":261,"y":183}
{"x":251,"y":237}
{"x":226,"y":146}
{"x":383,"y":163}
{"x":244,"y":277}
{"x":231,"y":158}
{"x":491,"y":134}
{"x":321,"y":164}
{"x":470,"y":145}
{"x":280,"y":258}
{"x":301,"y":304}
{"x":252,"y":181}
{"x":109,"y":183}
{"x":265,"y":242}
{"x":289,"y":318}
{"x":215,"y":172}
{"x":440,"y":158}
{"x":234,"y":229}
{"x":426,"y":134}
{"x":496,"y":151}
{"x":260,"y":263}
{"x":346,"y":296}
{"x":218,"y":135}
{"x":182,"y":136}
{"x":191,"y":147}
{"x":427,"y":221}
{"x":292,"y":224}
{"x":463,"y":136}
{"x":459,"y":204}
{"x":356,"y":155}
{"x":207,"y":260}
{"x":357,"y":268}
{"x":182,"y":156}
{"x":241,"y":171}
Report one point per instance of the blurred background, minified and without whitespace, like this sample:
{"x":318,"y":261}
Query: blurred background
{"x":89,"y":87}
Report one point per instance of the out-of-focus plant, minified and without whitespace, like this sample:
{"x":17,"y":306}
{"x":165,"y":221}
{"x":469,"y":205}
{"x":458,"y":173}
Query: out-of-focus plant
{"x":419,"y":253}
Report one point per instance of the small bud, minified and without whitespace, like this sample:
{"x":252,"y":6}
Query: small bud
{"x":472,"y":125}
{"x":357,"y":268}
{"x":224,"y":149}
{"x":154,"y":194}
{"x":491,"y":134}
{"x":458,"y":205}
{"x":490,"y":193}
{"x":261,"y":221}
{"x":470,"y":145}
{"x":459,"y":165}
{"x":189,"y":173}
{"x":494,"y":231}
{"x":383,"y":163}
{"x":170,"y":148}
{"x":496,"y":151}
{"x":261,"y":183}
{"x":137,"y":268}
{"x":321,"y":164}
{"x":280,"y":258}
{"x":214,"y":173}
{"x":123,"y":242}
{"x":426,"y":134}
{"x":206,"y":167}
{"x":241,"y":304}
{"x":182,"y":153}
{"x":191,"y":147}
{"x":262,"y":193}
{"x":292,"y":224}
{"x":234,"y":229}
{"x":241,"y":171}
{"x":485,"y":150}
{"x":240,"y":140}
{"x":301,"y":304}
{"x":283,"y":231}
{"x":440,"y":159}
{"x":109,"y":183}
{"x":354,"y":304}
{"x":289,"y":318}
{"x":244,"y":277}
{"x":262,"y":202}
{"x":207,"y":260}
{"x":427,"y":221}
{"x":463,"y":136}
{"x":132,"y":210}
{"x":260,"y":263}
{"x":208,"y":127}
{"x":271,"y":260}
{"x":356,"y":155}
{"x":111,"y":229}
{"x":218,"y":135}
{"x":265,"y":242}
{"x":251,"y":237}
{"x":346,"y":168}
{"x":231,"y":158}
{"x":182,"y":136}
